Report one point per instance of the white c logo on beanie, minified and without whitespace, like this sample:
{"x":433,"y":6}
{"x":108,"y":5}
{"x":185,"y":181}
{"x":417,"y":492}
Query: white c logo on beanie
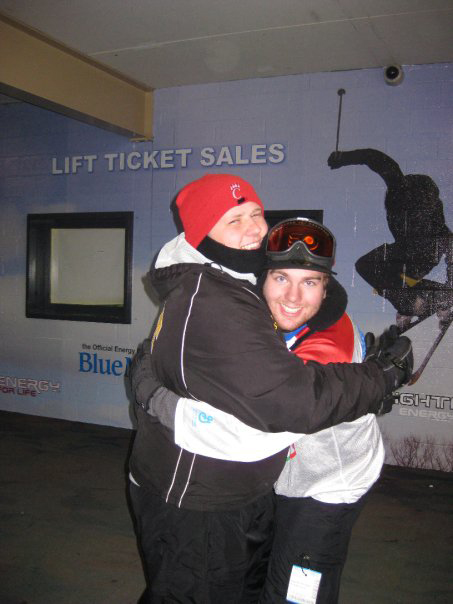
{"x":236,"y":190}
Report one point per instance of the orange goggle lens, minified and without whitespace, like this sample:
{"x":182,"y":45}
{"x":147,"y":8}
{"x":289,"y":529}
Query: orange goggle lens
{"x":319,"y":241}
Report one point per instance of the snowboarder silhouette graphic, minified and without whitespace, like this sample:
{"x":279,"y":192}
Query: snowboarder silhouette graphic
{"x":415,"y":217}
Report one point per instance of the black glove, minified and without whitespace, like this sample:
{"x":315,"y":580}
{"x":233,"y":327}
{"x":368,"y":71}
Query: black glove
{"x":397,"y":362}
{"x":384,"y":406}
{"x":143,"y":381}
{"x":375,"y":347}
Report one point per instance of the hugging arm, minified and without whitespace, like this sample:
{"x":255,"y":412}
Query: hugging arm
{"x":198,"y":426}
{"x":203,"y":429}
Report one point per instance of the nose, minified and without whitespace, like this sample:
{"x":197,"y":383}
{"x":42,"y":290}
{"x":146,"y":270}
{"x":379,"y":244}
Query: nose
{"x":293,"y":293}
{"x":253,"y":227}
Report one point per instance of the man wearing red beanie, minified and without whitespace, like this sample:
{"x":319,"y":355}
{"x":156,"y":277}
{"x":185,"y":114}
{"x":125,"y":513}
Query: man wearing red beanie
{"x":223,"y":191}
{"x":205,"y":524}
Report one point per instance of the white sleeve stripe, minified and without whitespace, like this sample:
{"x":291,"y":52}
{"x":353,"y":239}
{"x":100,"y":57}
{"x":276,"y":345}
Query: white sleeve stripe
{"x":187,"y":481}
{"x":185,"y":385}
{"x":184,"y":335}
{"x":174,"y":476}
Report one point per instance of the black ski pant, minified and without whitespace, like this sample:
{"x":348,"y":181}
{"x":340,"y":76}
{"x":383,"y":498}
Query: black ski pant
{"x":200,"y":557}
{"x":311,"y":534}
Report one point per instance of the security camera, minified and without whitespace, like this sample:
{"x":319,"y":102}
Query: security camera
{"x":393,"y":75}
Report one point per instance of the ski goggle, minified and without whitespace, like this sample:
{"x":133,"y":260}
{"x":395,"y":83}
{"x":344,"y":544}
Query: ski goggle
{"x":302,"y":241}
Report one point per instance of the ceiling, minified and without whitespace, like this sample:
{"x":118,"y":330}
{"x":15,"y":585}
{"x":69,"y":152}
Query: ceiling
{"x":165,"y":43}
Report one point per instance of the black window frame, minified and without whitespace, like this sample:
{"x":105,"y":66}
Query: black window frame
{"x":38,"y":304}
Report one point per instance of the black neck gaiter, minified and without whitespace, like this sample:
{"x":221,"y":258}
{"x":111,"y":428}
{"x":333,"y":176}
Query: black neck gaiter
{"x":241,"y":261}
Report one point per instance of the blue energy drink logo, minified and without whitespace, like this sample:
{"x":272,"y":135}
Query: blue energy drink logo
{"x":94,"y":359}
{"x":94,"y":363}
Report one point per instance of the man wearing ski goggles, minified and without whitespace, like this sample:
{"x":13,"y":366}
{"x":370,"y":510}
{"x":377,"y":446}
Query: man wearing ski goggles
{"x":321,"y":488}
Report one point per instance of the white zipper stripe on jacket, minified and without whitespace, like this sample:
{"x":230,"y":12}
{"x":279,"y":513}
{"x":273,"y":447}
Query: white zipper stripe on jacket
{"x":174,"y":476}
{"x":253,"y":293}
{"x":187,"y":481}
{"x":185,"y":385}
{"x":181,"y":360}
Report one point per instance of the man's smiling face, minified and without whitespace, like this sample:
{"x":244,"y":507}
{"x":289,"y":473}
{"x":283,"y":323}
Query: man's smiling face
{"x":242,"y":227}
{"x":294,"y":295}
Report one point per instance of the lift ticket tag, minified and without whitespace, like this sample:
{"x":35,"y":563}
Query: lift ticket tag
{"x":303,"y":585}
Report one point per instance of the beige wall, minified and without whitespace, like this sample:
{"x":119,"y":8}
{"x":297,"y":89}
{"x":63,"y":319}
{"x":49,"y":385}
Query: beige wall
{"x":45,"y":73}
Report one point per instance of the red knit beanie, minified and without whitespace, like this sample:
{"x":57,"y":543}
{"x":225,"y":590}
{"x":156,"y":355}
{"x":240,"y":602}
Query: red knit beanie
{"x":203,"y":202}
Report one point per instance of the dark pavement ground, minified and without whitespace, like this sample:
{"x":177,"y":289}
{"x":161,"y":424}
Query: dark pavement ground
{"x":66,"y":534}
